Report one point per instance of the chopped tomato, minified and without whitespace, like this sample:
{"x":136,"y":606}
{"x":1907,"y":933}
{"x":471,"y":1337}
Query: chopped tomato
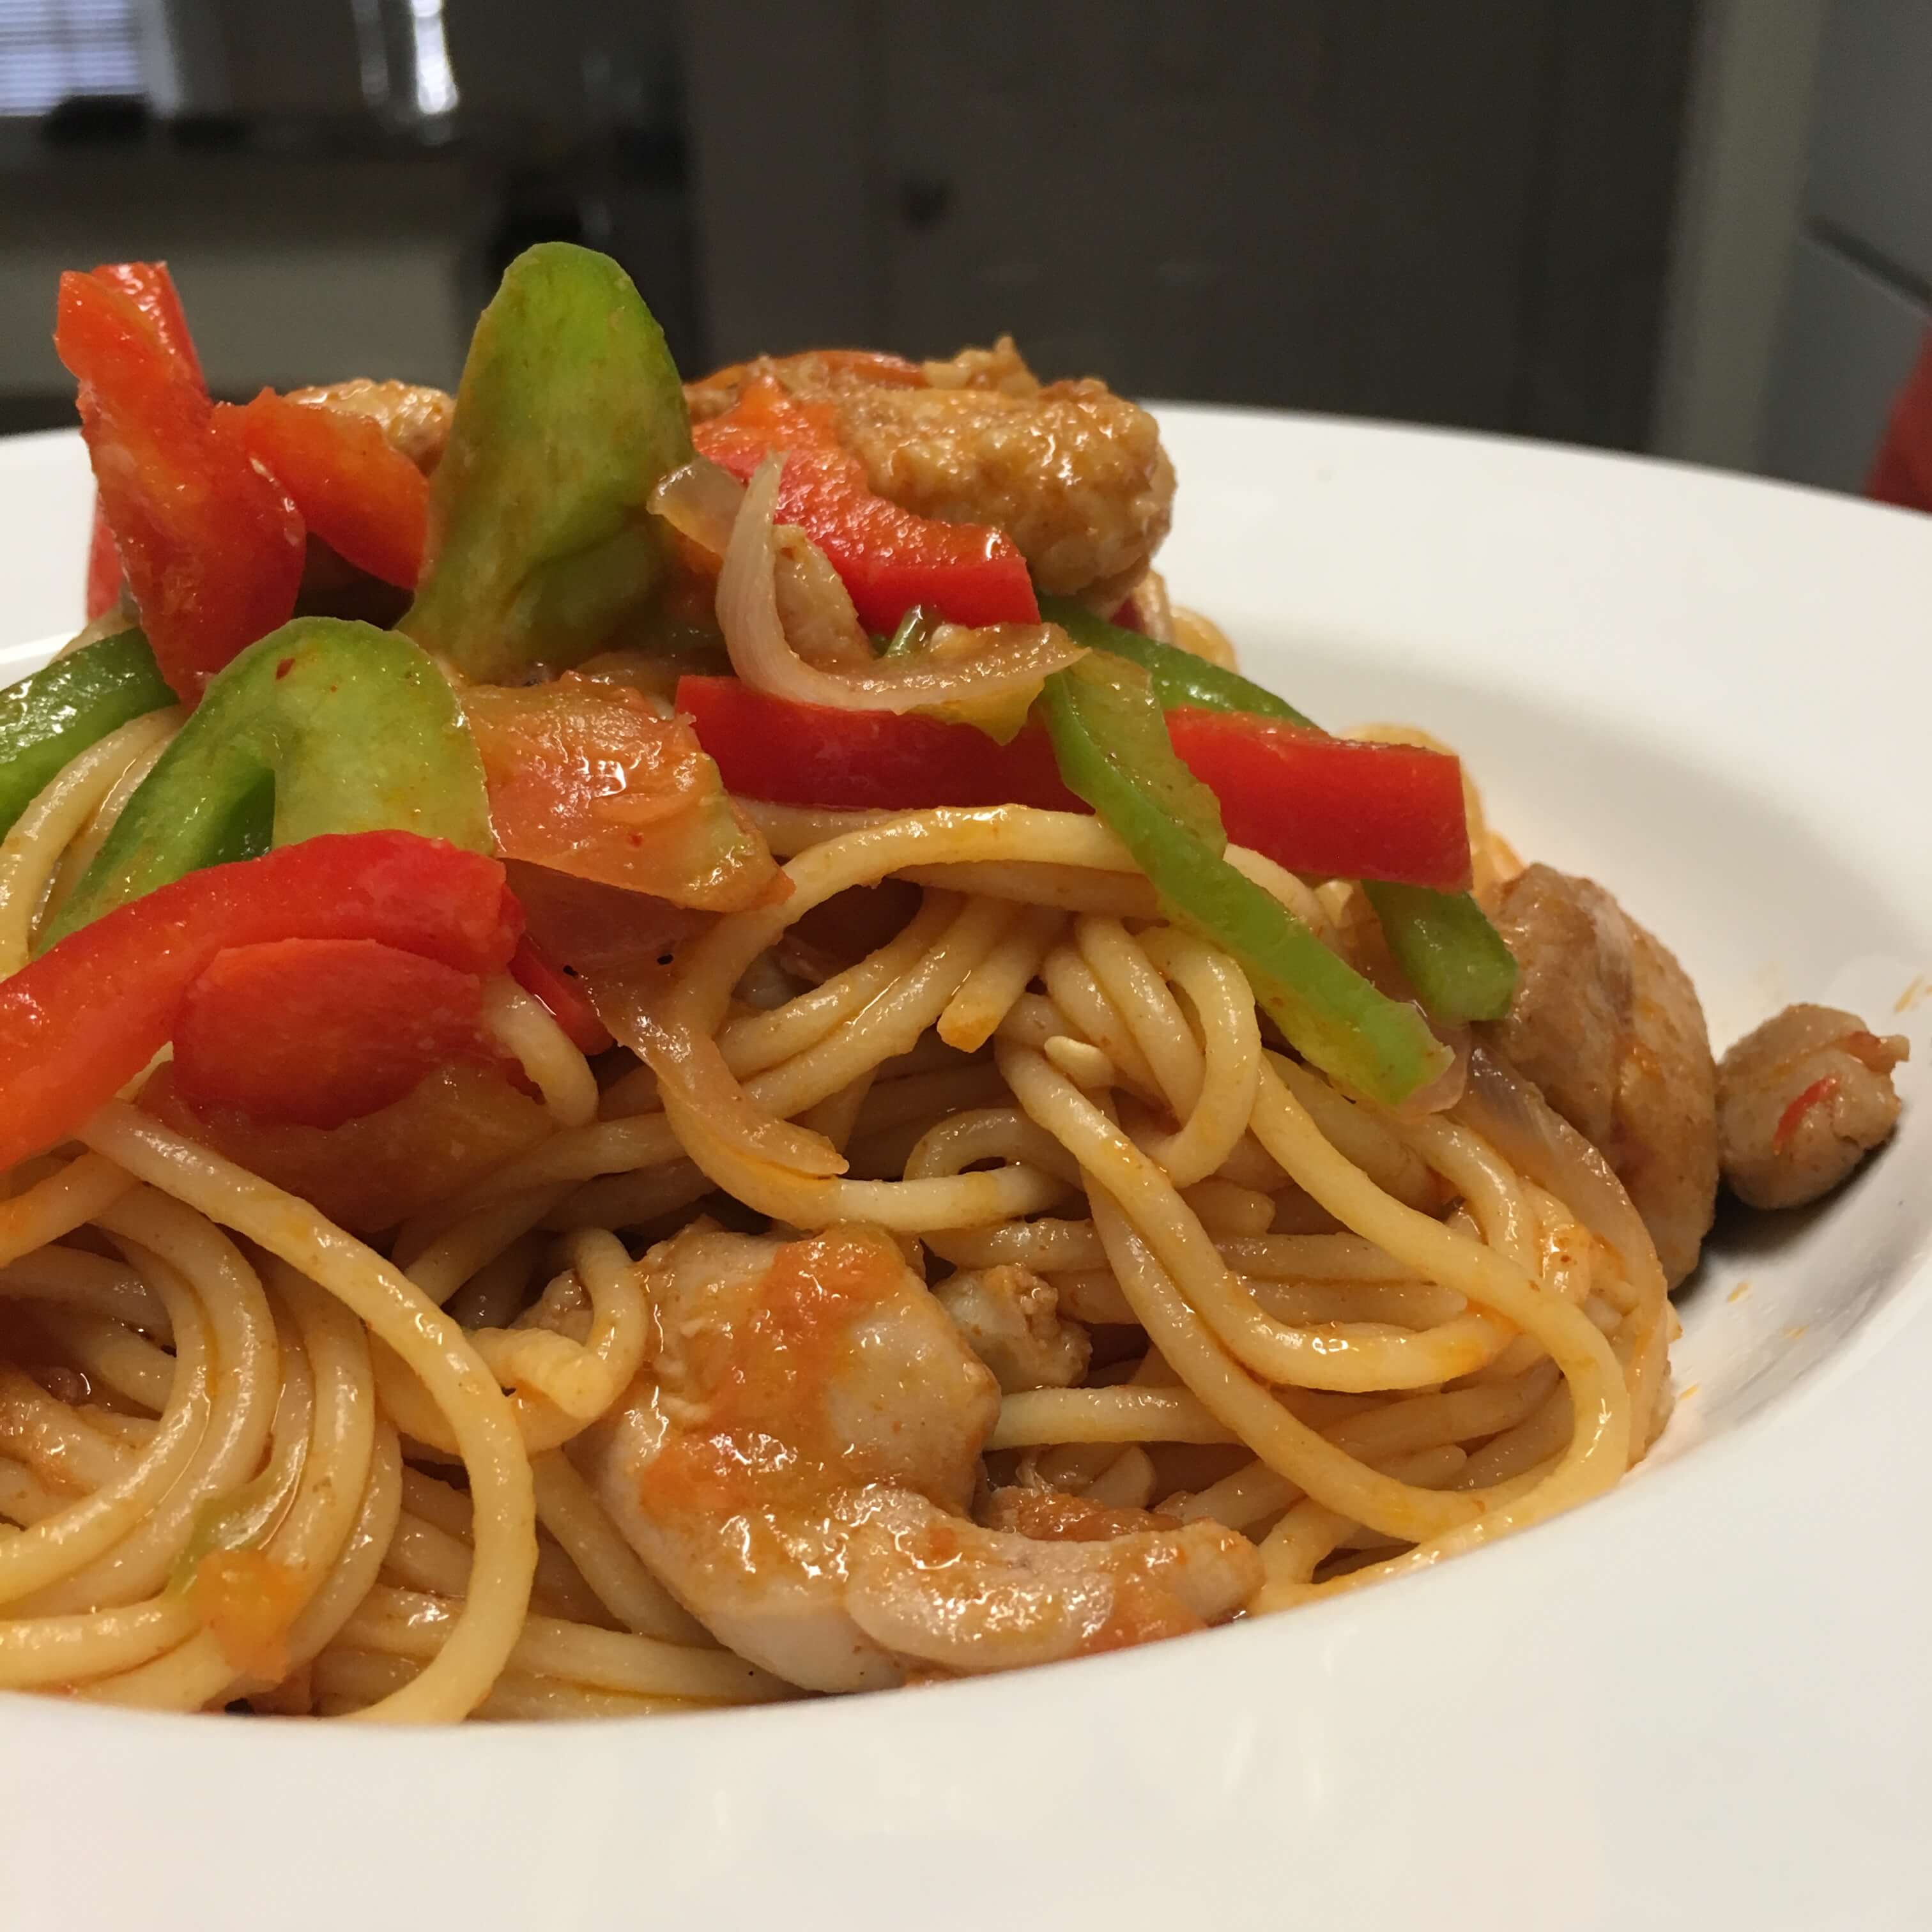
{"x":566,"y":1001}
{"x":889,"y":558}
{"x":583,"y":927}
{"x":212,"y":549}
{"x":248,"y":1601}
{"x":1328,"y":807}
{"x":365,"y":499}
{"x":590,"y":778}
{"x":376,"y":1170}
{"x":319,"y":1030}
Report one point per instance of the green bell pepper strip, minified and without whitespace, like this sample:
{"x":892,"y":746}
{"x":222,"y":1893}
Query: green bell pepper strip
{"x":569,"y":413}
{"x":65,"y":706}
{"x":1110,"y":740}
{"x":1179,"y":677}
{"x":1454,"y":957}
{"x":1447,"y":949}
{"x":914,"y":631}
{"x":324,"y":725}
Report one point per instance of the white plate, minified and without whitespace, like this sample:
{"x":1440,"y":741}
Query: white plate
{"x":1703,"y":1701}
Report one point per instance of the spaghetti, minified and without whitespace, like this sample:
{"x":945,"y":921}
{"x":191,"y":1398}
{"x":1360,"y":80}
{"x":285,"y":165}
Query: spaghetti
{"x":190,"y":1347}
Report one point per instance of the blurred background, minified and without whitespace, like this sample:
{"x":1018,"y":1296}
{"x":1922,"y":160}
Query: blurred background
{"x":1701,"y":227}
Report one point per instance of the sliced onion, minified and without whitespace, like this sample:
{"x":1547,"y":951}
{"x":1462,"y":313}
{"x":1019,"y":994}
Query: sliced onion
{"x":636,"y":1004}
{"x":1509,"y":1113}
{"x":701,"y":502}
{"x":748,"y":613}
{"x":1445,"y":1091}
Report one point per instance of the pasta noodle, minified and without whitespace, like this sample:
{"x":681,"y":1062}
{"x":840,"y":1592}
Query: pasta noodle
{"x":229,"y":1453}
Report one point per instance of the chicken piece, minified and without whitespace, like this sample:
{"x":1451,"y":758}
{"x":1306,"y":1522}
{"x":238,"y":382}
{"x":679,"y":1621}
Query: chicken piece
{"x":1011,"y":1321}
{"x":1148,"y":609}
{"x":1607,"y":1024}
{"x":817,"y":374}
{"x":1001,"y":369}
{"x":1801,"y":1100}
{"x":1052,"y":1516}
{"x":1074,"y":474}
{"x":412,"y":419}
{"x":798,"y":1461}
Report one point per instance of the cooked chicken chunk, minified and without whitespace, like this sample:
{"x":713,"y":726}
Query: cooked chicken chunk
{"x":1052,"y":1516}
{"x":412,"y":419}
{"x":1608,"y":1024}
{"x":1011,"y":1321}
{"x":798,"y":1462}
{"x":1074,"y":474}
{"x":816,"y":375}
{"x":1801,"y":1100}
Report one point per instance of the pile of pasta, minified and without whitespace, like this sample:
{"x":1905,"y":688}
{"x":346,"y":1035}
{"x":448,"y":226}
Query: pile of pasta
{"x":251,"y":1459}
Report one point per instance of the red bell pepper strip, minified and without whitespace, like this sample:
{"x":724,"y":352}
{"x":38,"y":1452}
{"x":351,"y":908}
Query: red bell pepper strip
{"x":567,"y":1002}
{"x":84,"y":1018}
{"x":149,"y":287}
{"x":366,"y":500}
{"x":319,"y":1031}
{"x":889,"y":558}
{"x":1332,"y":807}
{"x":1345,"y":808}
{"x":212,"y":549}
{"x":1792,"y":1118}
{"x":152,"y":289}
{"x":770,"y":747}
{"x":103,"y":566}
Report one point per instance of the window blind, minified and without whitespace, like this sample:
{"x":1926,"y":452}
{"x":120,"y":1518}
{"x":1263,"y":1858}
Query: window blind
{"x":51,"y":49}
